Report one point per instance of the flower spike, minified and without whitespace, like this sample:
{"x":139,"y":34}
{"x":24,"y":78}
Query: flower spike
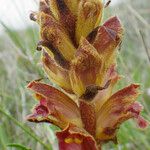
{"x":79,"y":57}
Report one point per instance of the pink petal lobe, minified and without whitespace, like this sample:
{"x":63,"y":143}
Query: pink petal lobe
{"x":142,"y":123}
{"x":136,"y":109}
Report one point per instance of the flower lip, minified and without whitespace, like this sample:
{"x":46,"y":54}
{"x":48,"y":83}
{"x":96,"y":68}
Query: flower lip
{"x":135,"y":108}
{"x":74,"y":138}
{"x":118,"y":108}
{"x":142,"y":123}
{"x":109,"y":36}
{"x":60,"y":106}
{"x":40,"y":111}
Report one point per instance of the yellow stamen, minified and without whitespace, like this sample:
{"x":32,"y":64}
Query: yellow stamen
{"x":38,"y":96}
{"x":78,"y":141}
{"x":69,"y":140}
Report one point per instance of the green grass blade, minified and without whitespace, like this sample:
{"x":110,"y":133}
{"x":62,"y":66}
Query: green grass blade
{"x":26,"y":129}
{"x":18,"y":146}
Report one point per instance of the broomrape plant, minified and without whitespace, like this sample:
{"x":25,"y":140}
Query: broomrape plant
{"x":79,"y":56}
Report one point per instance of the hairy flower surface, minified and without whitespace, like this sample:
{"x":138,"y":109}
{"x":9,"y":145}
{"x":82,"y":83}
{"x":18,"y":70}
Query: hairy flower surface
{"x":79,"y":56}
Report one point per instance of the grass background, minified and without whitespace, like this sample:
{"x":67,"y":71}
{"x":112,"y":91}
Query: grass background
{"x":19,"y":63}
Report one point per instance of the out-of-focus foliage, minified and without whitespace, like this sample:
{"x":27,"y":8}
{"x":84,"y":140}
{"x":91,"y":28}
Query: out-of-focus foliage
{"x":19,"y":63}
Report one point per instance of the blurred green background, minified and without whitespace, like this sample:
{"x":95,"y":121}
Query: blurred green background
{"x":20,"y":63}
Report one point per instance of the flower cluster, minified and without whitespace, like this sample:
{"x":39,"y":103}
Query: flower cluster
{"x":79,"y":56}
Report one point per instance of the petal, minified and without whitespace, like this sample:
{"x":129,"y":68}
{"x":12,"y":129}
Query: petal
{"x":73,"y":138}
{"x":136,"y":108}
{"x":44,"y":113}
{"x":85,"y":68}
{"x":108,"y":36}
{"x":64,"y":16}
{"x":73,"y":6}
{"x":52,"y":32}
{"x":54,"y":53}
{"x":88,"y":116}
{"x":142,"y":123}
{"x":58,"y":104}
{"x":107,"y":39}
{"x":116,"y":110}
{"x":89,"y":17}
{"x":55,"y":72}
{"x":109,"y":80}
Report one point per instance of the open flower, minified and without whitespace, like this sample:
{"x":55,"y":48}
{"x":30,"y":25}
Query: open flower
{"x":80,"y":57}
